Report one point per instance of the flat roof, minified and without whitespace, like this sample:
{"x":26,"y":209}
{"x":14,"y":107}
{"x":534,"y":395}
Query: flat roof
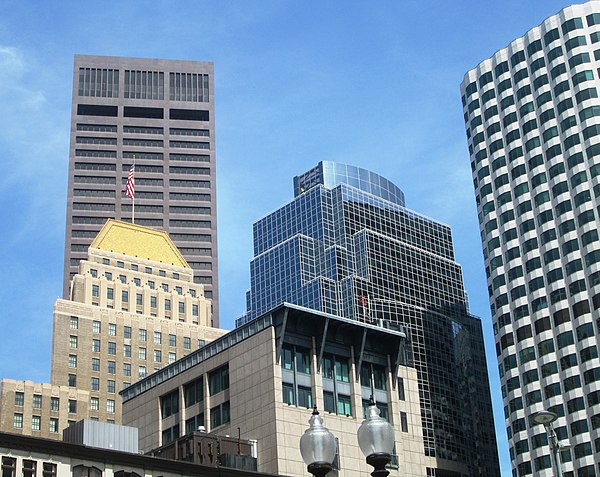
{"x":277,"y":317}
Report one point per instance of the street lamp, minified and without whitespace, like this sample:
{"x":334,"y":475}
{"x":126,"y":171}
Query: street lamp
{"x":317,"y":446}
{"x":376,"y":440}
{"x":547,"y":418}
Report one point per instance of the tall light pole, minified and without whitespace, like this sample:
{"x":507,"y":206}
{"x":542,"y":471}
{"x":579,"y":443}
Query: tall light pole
{"x":547,"y":418}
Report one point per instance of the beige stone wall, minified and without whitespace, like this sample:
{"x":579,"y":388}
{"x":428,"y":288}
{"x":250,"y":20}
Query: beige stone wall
{"x":153,"y":280}
{"x":84,"y":335}
{"x":157,"y":282}
{"x":258,"y":410}
{"x":8,"y":407}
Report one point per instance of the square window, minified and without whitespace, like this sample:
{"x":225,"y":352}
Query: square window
{"x":37,"y":401}
{"x":96,"y":346}
{"x":54,"y":404}
{"x":112,"y":348}
{"x":72,"y":361}
{"x":112,"y":329}
{"x":126,"y":369}
{"x":142,"y":372}
{"x":72,"y":380}
{"x":172,"y":340}
{"x":73,"y":341}
{"x":94,"y":403}
{"x":18,"y":420}
{"x":95,"y":364}
{"x":74,"y":323}
{"x":127,"y":332}
{"x":172,"y":357}
{"x":49,"y":469}
{"x":157,"y":337}
{"x":96,"y":326}
{"x":53,"y":426}
{"x":72,"y":406}
{"x":112,"y":367}
{"x":157,"y":356}
{"x":110,"y":405}
{"x":36,"y":422}
{"x":110,"y":386}
{"x":142,"y":335}
{"x":95,"y":385}
{"x":9,"y":466}
{"x":127,"y":351}
{"x":142,"y":353}
{"x":19,"y":398}
{"x":187,"y":342}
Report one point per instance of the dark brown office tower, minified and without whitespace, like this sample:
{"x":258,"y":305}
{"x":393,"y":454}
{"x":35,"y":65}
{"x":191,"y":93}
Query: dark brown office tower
{"x":160,"y":115}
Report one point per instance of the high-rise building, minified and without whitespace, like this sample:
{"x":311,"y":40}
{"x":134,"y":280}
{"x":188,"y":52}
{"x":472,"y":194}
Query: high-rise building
{"x":347,"y":245}
{"x":532,"y":114}
{"x":134,"y":310}
{"x":160,"y":115}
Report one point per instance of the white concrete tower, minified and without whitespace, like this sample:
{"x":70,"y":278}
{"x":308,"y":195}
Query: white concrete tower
{"x":532,"y":115}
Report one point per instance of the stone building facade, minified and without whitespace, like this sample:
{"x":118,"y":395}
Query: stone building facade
{"x":263,"y":378}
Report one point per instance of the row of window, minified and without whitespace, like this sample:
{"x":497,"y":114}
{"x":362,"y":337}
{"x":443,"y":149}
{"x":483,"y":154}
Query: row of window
{"x":138,"y":282}
{"x":218,"y":381}
{"x":535,"y":46}
{"x":127,"y":333}
{"x":29,"y":468}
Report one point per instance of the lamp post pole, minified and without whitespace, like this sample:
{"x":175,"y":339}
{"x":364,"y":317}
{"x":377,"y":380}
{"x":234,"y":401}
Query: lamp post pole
{"x":547,"y":418}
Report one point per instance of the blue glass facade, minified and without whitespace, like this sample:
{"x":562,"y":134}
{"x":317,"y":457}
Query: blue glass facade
{"x":346,"y":245}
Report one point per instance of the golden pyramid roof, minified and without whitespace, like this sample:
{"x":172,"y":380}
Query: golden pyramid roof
{"x":138,"y":241}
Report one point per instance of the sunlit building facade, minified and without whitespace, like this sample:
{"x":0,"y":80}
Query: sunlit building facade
{"x":160,"y":115}
{"x":532,"y":114}
{"x":346,"y":245}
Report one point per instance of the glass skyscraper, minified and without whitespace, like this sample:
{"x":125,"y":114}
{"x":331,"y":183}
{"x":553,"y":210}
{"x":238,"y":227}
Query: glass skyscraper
{"x":532,"y":114}
{"x":346,"y":245}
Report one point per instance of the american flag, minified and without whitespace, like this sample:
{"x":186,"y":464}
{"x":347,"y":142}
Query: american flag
{"x":130,"y":185}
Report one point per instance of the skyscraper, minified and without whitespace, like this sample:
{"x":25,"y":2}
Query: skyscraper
{"x":160,"y":115}
{"x":532,"y":116}
{"x":134,"y":310}
{"x":346,"y":245}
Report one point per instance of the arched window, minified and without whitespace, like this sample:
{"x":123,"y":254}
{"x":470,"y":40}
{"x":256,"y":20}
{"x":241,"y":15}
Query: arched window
{"x":122,"y":473}
{"x":85,"y":471}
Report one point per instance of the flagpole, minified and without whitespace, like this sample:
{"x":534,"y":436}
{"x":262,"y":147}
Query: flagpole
{"x":133,"y":197}
{"x":130,"y":189}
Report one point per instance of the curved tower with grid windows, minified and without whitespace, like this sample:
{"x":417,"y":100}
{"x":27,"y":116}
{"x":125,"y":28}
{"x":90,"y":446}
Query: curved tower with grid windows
{"x":532,"y":114}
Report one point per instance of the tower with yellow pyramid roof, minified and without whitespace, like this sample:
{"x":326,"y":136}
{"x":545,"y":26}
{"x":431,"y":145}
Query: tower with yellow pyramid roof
{"x":133,"y":309}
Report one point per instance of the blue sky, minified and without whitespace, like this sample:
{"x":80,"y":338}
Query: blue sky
{"x":375,"y":84}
